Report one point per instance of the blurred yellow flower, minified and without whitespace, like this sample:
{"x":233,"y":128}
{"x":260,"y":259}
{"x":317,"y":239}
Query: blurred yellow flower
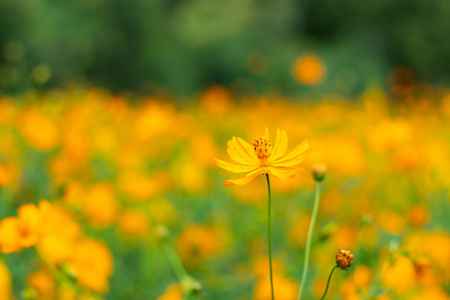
{"x":173,"y":292}
{"x":133,"y":223}
{"x":92,"y":264}
{"x":43,"y":139}
{"x":309,"y":69}
{"x":216,"y":99}
{"x":262,"y":158}
{"x":362,"y":276}
{"x":43,"y":283}
{"x":100,"y":204}
{"x":398,"y":276}
{"x":61,"y":231}
{"x":5,"y":282}
{"x":392,"y":222}
{"x":418,"y":215}
{"x":286,"y":288}
{"x":200,"y":241}
{"x":24,"y":230}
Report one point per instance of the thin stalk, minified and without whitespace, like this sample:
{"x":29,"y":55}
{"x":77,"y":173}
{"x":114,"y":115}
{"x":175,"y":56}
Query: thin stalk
{"x":270,"y":236}
{"x":328,"y":282}
{"x":309,"y":240}
{"x":175,"y":262}
{"x":58,"y":274}
{"x":178,"y":268}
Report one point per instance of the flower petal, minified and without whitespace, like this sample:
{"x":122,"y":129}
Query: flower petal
{"x":239,"y":154}
{"x":250,"y":152}
{"x":280,"y":146}
{"x":10,"y":239}
{"x":233,"y":167}
{"x":284,"y":173}
{"x":294,"y":158}
{"x":247,"y":179}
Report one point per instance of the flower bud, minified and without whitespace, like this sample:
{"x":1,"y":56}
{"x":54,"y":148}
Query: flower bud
{"x":191,"y":285}
{"x":30,"y":294}
{"x":162,"y":232}
{"x":68,"y":270}
{"x":319,"y":172}
{"x":344,"y":259}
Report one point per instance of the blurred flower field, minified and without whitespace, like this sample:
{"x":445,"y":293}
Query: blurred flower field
{"x":135,"y":207}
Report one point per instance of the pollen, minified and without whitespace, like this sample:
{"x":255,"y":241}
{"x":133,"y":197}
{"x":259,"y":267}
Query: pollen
{"x":263,"y":148}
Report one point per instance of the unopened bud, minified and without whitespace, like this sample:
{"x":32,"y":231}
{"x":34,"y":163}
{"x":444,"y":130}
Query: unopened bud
{"x":344,"y":259}
{"x":30,"y":294}
{"x":69,"y":271}
{"x":162,"y":232}
{"x":319,"y":172}
{"x":189,"y":284}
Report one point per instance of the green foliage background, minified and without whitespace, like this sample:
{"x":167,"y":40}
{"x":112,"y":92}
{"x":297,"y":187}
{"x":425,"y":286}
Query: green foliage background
{"x":184,"y":46}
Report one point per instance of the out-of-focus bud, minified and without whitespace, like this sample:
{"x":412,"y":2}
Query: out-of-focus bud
{"x":319,"y":172}
{"x":189,"y":284}
{"x":30,"y":294}
{"x":162,"y":232}
{"x":69,"y":271}
{"x":344,"y":259}
{"x":367,"y":219}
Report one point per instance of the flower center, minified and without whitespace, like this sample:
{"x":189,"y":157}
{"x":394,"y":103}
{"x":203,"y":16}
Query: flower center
{"x":263,"y":149}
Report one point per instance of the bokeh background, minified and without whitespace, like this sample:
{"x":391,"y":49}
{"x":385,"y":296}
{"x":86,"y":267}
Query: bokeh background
{"x":113,"y":111}
{"x":181,"y":47}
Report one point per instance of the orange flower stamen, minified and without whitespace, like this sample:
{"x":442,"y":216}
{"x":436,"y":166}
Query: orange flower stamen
{"x":263,"y":149}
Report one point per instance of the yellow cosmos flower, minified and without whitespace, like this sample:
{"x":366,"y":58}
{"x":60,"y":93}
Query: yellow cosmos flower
{"x":25,"y":230}
{"x":262,"y":158}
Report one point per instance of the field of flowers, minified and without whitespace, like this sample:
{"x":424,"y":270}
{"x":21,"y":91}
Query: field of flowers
{"x":103,"y":197}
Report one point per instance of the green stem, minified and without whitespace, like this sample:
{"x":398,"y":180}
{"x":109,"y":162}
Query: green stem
{"x":328,"y":282}
{"x":175,"y":262}
{"x":308,"y":241}
{"x":57,"y":273}
{"x":270,"y":236}
{"x":183,"y":277}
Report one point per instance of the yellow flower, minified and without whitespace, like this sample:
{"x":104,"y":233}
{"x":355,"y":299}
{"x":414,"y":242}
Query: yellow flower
{"x":92,"y":263}
{"x":262,"y":158}
{"x":173,"y":292}
{"x":25,"y":230}
{"x":5,"y":282}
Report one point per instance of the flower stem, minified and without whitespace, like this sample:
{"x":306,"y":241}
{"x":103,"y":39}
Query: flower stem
{"x":57,"y":273}
{"x":178,"y":268}
{"x":308,"y":241}
{"x":328,"y":282}
{"x":270,"y":235}
{"x":175,"y":262}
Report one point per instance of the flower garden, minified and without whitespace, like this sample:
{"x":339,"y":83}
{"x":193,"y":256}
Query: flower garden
{"x":103,"y":197}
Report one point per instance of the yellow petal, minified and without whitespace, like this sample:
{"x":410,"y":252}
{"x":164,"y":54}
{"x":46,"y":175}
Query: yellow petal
{"x":234,"y":168}
{"x":30,"y":222}
{"x":284,"y":173}
{"x":10,"y":239}
{"x":247,"y":179}
{"x":280,"y":145}
{"x":297,"y":156}
{"x":249,"y":151}
{"x":237,"y":153}
{"x":293,"y":163}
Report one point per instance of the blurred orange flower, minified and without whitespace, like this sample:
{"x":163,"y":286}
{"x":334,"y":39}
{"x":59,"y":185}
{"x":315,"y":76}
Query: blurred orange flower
{"x":262,"y":158}
{"x":5,"y":282}
{"x":25,"y":230}
{"x":92,"y":264}
{"x":173,"y":292}
{"x":309,"y":69}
